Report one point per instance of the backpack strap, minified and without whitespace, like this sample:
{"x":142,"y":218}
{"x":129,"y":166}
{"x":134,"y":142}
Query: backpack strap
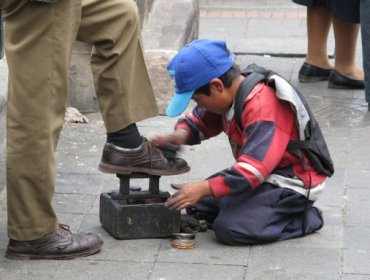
{"x":298,"y":144}
{"x":244,"y":89}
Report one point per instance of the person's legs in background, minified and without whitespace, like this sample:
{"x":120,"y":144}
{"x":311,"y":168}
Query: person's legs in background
{"x":318,"y":27}
{"x":346,"y":35}
{"x":317,"y":66}
{"x":346,"y":75}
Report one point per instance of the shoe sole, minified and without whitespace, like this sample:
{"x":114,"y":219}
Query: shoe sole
{"x":308,"y":79}
{"x":21,"y":256}
{"x":337,"y":86}
{"x":113,"y":169}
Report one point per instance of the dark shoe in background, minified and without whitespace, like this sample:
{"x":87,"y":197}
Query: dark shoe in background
{"x":60,"y":245}
{"x":189,"y":224}
{"x":339,"y":81}
{"x":209,"y":218}
{"x":310,"y":73}
{"x":147,"y":159}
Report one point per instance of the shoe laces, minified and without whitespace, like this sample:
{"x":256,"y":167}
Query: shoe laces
{"x":150,"y":147}
{"x":168,"y":152}
{"x":64,"y":230}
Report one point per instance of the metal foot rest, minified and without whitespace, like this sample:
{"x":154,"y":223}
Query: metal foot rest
{"x":130,"y":214}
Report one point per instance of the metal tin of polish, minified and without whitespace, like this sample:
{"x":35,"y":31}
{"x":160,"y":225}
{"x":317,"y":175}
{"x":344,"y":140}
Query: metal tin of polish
{"x":183,"y":241}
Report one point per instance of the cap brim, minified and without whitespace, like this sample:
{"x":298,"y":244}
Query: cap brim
{"x":179,"y":103}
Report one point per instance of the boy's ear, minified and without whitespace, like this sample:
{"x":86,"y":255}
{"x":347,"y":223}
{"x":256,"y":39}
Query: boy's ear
{"x":217,"y":85}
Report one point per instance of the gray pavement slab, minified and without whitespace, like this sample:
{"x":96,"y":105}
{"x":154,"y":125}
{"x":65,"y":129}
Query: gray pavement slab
{"x":187,"y":271}
{"x":267,"y":262}
{"x":340,"y":250}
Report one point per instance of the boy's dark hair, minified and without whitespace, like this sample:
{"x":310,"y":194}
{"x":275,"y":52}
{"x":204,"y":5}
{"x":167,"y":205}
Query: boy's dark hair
{"x":227,"y":78}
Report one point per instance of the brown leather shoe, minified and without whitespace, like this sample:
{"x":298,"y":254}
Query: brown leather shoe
{"x":60,"y":245}
{"x":147,"y":159}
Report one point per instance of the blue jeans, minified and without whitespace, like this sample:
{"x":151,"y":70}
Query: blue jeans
{"x":365,"y":33}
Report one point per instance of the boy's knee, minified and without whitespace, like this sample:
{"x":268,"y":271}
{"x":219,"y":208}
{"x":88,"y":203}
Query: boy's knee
{"x":234,"y":233}
{"x":226,"y":234}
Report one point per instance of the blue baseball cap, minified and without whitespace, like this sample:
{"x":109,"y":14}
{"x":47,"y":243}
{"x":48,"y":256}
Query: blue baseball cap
{"x":195,"y":65}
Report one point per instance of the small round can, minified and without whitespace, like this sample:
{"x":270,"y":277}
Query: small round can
{"x":183,"y":241}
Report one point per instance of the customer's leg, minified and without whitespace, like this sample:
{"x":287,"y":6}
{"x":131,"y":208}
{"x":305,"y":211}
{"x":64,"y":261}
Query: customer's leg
{"x":121,"y":79}
{"x":38,"y":40}
{"x":365,"y":32}
{"x":123,"y":88}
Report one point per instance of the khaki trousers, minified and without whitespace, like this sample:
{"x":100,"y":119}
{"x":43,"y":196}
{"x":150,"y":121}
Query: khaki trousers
{"x":39,"y":39}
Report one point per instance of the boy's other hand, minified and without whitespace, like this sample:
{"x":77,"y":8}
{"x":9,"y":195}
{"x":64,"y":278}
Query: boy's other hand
{"x":177,"y":137}
{"x":188,"y":194}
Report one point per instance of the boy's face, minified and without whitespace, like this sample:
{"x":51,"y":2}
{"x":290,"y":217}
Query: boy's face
{"x":218,"y":102}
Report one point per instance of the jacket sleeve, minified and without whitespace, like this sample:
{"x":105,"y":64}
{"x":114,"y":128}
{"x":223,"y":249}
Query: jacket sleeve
{"x":202,"y":125}
{"x":267,"y":129}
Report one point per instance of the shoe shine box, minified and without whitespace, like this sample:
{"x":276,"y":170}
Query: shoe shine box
{"x":129,"y":213}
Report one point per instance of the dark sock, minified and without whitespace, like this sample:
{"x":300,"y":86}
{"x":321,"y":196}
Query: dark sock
{"x":128,"y":137}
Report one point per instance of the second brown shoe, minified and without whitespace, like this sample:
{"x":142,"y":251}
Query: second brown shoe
{"x":147,"y":158}
{"x":59,"y":245}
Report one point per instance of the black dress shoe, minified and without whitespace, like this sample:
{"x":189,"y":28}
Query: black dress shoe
{"x":310,"y":73}
{"x":337,"y":80}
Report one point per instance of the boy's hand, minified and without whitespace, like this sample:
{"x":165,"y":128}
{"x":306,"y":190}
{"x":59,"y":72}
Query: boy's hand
{"x":188,"y":194}
{"x":177,"y":137}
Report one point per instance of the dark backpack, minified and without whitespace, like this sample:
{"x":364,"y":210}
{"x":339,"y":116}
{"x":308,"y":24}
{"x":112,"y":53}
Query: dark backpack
{"x":312,"y":142}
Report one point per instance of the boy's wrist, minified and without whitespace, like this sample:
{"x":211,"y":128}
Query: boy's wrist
{"x":218,"y":187}
{"x":206,"y":188}
{"x":180,"y":136}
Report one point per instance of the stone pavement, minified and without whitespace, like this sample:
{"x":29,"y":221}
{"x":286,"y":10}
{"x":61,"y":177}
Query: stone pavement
{"x":264,"y":32}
